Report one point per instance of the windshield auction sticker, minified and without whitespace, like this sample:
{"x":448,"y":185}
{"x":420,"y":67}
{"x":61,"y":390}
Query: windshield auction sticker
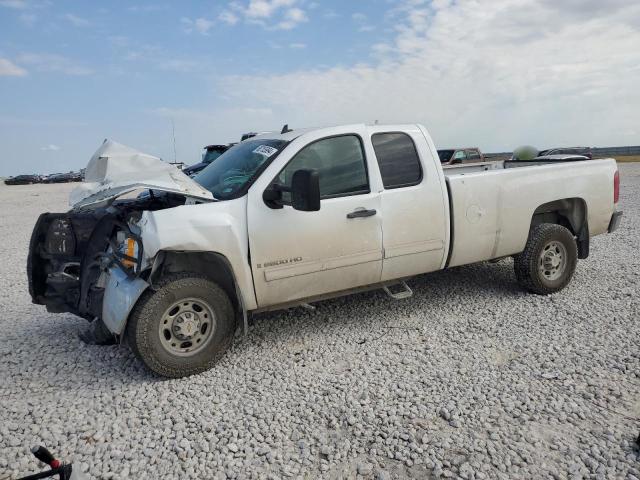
{"x":265,"y":150}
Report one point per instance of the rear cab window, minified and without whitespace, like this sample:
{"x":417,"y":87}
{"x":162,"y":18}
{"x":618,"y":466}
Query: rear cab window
{"x":397,"y":159}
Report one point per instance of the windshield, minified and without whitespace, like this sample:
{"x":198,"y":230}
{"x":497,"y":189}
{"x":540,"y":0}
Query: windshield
{"x":238,"y":166}
{"x":445,"y":155}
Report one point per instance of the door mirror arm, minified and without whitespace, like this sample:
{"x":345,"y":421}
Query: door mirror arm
{"x":272,"y":196}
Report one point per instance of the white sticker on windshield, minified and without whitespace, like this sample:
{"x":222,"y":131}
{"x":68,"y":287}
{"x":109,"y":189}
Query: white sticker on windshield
{"x":265,"y":150}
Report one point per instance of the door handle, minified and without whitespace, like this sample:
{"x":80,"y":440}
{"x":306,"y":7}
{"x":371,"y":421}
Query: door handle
{"x":361,"y":213}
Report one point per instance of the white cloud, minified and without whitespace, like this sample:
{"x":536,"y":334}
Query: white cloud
{"x":47,"y":62}
{"x":266,"y":8}
{"x":271,"y":14}
{"x":179,"y":65}
{"x":359,"y":17}
{"x":50,"y":148}
{"x":15,"y":4}
{"x":521,"y":71}
{"x":200,"y":25}
{"x":292,"y":18}
{"x":298,"y":46}
{"x":28,"y":19}
{"x":228,"y":17}
{"x":147,"y":8}
{"x":10,"y":69}
{"x":76,"y":21}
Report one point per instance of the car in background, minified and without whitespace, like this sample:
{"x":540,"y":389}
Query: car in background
{"x":570,"y":151}
{"x":453,"y":156}
{"x":64,"y":177}
{"x":211,"y":152}
{"x":23,"y":180}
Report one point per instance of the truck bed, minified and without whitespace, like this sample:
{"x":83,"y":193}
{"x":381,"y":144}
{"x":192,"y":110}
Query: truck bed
{"x":492,"y":206}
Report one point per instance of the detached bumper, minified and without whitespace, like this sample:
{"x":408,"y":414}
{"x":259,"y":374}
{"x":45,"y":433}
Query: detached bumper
{"x":614,"y":223}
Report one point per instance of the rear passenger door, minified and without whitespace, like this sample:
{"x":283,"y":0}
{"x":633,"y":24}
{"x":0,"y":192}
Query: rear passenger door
{"x":413,"y":211}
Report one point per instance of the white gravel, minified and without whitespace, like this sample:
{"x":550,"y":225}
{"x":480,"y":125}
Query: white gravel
{"x":469,"y":378}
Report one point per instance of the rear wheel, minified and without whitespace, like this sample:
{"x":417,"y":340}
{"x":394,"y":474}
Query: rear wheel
{"x":548,"y":261}
{"x":183,"y":327}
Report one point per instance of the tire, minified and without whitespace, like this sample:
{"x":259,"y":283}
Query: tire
{"x":548,"y":261}
{"x":187,"y":301}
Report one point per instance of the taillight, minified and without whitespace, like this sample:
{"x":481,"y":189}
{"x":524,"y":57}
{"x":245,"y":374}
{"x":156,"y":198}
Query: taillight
{"x":616,"y":187}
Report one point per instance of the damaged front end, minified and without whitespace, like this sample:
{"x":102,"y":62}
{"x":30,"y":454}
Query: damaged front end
{"x":77,"y":260}
{"x":90,"y":261}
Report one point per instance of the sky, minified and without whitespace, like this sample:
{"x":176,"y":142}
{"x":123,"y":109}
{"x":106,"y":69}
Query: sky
{"x":493,"y":73}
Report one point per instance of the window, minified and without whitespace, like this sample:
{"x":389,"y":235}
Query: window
{"x":473,"y":155}
{"x":398,"y":160}
{"x":340,"y":163}
{"x":460,"y":156}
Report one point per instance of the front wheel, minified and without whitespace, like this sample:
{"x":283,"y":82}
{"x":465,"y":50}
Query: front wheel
{"x":548,"y":261}
{"x":183,"y":327}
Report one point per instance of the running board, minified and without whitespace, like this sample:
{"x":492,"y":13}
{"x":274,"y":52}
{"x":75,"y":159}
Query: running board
{"x":406,"y":292}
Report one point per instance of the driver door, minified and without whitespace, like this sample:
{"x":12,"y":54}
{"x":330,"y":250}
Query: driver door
{"x":297,"y":255}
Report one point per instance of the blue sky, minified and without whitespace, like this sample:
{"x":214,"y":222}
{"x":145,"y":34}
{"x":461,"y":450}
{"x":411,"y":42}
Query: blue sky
{"x":494,"y":75}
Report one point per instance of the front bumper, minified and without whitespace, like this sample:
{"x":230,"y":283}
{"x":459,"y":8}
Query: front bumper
{"x":614,"y":223}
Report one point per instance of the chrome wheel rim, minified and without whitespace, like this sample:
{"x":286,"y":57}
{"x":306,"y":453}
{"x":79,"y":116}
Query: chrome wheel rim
{"x":187,"y":326}
{"x":553,"y":260}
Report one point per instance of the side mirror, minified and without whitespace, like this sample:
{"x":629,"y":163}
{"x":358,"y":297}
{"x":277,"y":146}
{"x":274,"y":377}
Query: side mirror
{"x":305,"y":190}
{"x":456,"y":160}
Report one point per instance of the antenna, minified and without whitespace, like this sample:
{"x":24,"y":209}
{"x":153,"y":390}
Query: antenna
{"x":173,"y":131}
{"x":286,"y":129}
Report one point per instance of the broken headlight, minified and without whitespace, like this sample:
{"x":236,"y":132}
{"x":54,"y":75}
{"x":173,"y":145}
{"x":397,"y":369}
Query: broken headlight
{"x":126,"y":251}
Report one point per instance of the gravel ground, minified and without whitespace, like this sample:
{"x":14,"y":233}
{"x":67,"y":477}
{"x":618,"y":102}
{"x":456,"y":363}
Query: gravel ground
{"x":469,"y":378}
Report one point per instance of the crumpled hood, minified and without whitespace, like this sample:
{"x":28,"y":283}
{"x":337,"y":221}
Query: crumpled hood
{"x":116,"y":169}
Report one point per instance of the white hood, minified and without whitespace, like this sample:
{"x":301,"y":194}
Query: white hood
{"x":116,"y":169}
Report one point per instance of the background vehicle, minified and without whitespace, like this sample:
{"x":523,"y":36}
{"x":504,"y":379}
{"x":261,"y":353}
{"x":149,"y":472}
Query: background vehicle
{"x":453,"y":156}
{"x":64,"y":177}
{"x":571,"y":151}
{"x":22,"y":180}
{"x":285,"y":219}
{"x":211,"y":152}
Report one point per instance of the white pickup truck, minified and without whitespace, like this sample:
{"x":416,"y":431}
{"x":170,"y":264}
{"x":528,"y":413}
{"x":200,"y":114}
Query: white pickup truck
{"x":286,"y":219}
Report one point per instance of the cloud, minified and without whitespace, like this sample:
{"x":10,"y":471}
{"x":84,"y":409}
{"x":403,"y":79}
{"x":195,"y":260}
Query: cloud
{"x":28,"y":19}
{"x":270,"y":14}
{"x":147,"y":8}
{"x":179,"y":65}
{"x":359,"y":17}
{"x":228,"y":17}
{"x":76,"y":21}
{"x":292,"y":18}
{"x":200,"y":25}
{"x":15,"y":4}
{"x":521,"y":71}
{"x":10,"y":69}
{"x":50,"y":148}
{"x":266,"y":8}
{"x":298,"y":46}
{"x":47,"y":62}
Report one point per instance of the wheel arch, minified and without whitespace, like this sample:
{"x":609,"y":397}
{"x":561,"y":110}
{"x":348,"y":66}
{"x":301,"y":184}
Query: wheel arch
{"x":570,"y":213}
{"x":216,"y":267}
